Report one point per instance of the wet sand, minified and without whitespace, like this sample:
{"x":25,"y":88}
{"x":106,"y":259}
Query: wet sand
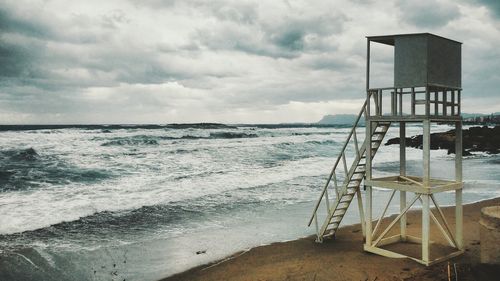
{"x":344,"y":258}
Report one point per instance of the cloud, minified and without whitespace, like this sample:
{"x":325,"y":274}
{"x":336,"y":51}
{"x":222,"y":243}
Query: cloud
{"x":428,"y":13}
{"x":222,"y":61}
{"x":492,"y":5}
{"x":286,"y":36}
{"x":15,"y":22}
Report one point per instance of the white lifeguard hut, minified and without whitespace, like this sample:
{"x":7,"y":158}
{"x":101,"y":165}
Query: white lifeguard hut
{"x":427,"y":89}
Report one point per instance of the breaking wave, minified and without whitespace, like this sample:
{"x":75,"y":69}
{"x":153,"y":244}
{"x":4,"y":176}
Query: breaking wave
{"x":26,"y":168}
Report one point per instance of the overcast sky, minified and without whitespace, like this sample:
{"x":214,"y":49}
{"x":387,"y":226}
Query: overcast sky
{"x":221,"y":61}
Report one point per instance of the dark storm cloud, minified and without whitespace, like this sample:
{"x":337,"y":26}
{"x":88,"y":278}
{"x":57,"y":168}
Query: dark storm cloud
{"x":30,"y":27}
{"x":15,"y":61}
{"x":282,"y":38}
{"x":194,"y":60}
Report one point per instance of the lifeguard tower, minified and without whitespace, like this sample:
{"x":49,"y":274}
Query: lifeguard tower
{"x":427,"y":88}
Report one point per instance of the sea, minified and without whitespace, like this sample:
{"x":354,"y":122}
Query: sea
{"x":143,"y":202}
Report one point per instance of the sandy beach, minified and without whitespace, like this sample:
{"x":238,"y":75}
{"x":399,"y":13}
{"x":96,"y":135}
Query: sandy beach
{"x":344,"y":258}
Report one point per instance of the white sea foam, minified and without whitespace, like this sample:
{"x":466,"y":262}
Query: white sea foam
{"x":175,"y":169}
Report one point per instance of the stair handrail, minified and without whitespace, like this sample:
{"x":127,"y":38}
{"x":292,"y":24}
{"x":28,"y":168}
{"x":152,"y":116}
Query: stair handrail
{"x":363,"y":108}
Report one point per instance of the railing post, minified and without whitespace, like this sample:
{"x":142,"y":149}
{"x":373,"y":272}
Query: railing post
{"x":336,"y":184}
{"x":346,"y":171}
{"x":436,"y":103}
{"x":393,"y":103}
{"x":368,"y":150}
{"x":317,"y":226}
{"x":368,"y":102}
{"x":412,"y":101}
{"x":367,"y":64}
{"x":327,"y":200}
{"x":379,"y":95}
{"x":452,"y":103}
{"x":445,"y":103}
{"x":356,"y":144}
{"x":427,"y":101}
{"x":401,"y":102}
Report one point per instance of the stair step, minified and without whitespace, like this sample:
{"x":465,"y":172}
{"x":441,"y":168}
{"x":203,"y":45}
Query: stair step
{"x":352,"y":185}
{"x":346,"y":197}
{"x":329,"y":234}
{"x":334,"y":222}
{"x":341,"y":211}
{"x":341,"y":214}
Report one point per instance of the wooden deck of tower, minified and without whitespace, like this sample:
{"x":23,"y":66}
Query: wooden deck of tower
{"x":427,"y":88}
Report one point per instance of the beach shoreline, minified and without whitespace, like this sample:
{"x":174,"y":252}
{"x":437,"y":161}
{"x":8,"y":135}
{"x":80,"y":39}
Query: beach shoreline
{"x":340,"y":259}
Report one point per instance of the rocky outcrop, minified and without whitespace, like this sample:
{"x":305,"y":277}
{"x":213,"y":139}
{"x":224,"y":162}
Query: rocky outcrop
{"x":475,"y":139}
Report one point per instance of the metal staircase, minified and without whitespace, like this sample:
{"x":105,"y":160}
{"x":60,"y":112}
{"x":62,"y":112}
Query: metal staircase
{"x":349,"y":178}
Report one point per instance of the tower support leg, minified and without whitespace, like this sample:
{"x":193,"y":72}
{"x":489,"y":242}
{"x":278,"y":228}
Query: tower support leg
{"x":368,"y":214}
{"x":425,"y":228}
{"x":361,"y":212}
{"x":458,"y":192}
{"x":402,"y":172}
{"x":459,"y":219}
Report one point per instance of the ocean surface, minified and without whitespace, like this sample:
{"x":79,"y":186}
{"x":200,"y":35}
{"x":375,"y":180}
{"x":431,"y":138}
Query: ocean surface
{"x":146,"y":202}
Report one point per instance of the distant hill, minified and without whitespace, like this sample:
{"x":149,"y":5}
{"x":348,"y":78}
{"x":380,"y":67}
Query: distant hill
{"x":338,"y":119}
{"x":472,"y":115}
{"x":468,"y":118}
